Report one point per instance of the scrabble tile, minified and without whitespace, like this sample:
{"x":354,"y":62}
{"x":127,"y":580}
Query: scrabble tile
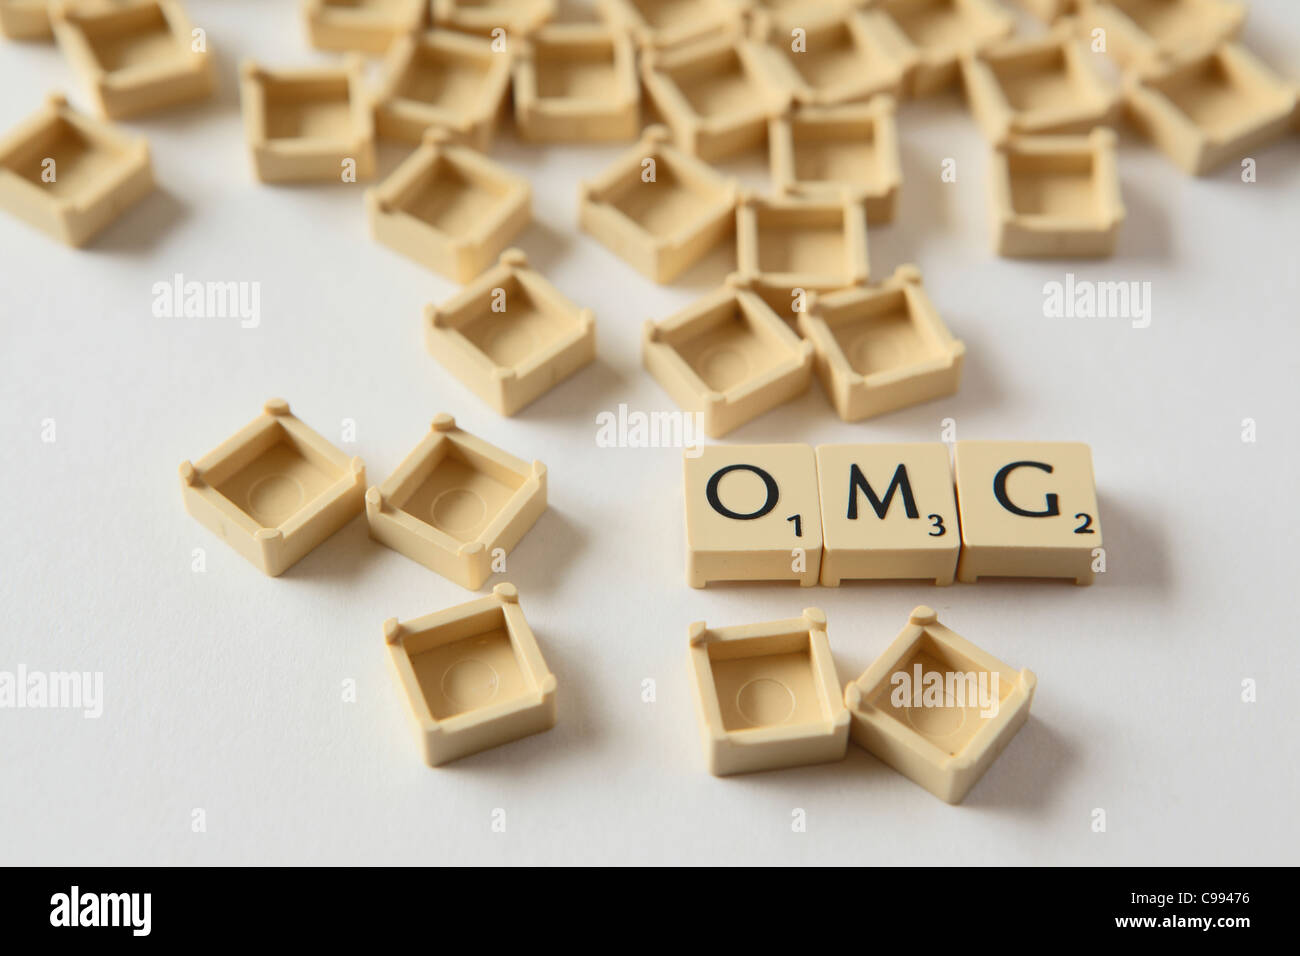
{"x":445,"y":80}
{"x":816,"y":244}
{"x":304,"y":124}
{"x":25,"y":19}
{"x":766,"y":695}
{"x":936,"y":708}
{"x":449,"y":208}
{"x":454,"y":501}
{"x":881,"y":348}
{"x":1210,"y":108}
{"x":473,"y":676}
{"x":844,"y":55}
{"x":577,"y":83}
{"x":728,"y":357}
{"x":517,"y":17}
{"x":274,"y":490}
{"x":659,"y":24}
{"x":938,"y":32}
{"x":1145,"y":31}
{"x":820,"y":152}
{"x":1028,"y":509}
{"x":658,"y":208}
{"x":888,"y":511}
{"x":1056,"y":196}
{"x":137,"y":57}
{"x":99,"y":172}
{"x":752,"y":514}
{"x":510,"y":335}
{"x":366,"y":26}
{"x":716,"y":94}
{"x":1046,"y":84}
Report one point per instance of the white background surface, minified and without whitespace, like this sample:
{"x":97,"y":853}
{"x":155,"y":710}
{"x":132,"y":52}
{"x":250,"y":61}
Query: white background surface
{"x":223,"y":689}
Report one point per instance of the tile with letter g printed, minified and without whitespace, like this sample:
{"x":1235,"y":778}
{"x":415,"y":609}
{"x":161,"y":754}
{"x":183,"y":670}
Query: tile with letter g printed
{"x":1028,"y":509}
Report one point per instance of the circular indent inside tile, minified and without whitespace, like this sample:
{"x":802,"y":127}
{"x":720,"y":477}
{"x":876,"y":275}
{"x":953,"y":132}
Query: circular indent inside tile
{"x":723,"y":366}
{"x":870,"y":352}
{"x":936,"y":721}
{"x":458,"y":510}
{"x":272,"y":498}
{"x":509,"y":343}
{"x":470,"y":683}
{"x":764,"y":701}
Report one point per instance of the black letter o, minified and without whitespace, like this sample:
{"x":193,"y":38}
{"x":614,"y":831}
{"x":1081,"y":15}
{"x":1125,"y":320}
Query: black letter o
{"x":711,"y":492}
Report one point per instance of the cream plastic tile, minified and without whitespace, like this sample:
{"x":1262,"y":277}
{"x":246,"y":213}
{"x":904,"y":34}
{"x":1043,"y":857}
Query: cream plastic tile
{"x":766,"y":695}
{"x":667,"y":23}
{"x":840,"y":56}
{"x":881,"y":348}
{"x":1211,"y":107}
{"x":1044,"y":84}
{"x":274,"y":490}
{"x":1049,"y":11}
{"x":835,"y":151}
{"x":1028,"y":510}
{"x":1144,"y":31}
{"x":454,"y":501}
{"x":788,"y":304}
{"x":517,"y":17}
{"x":935,"y":735}
{"x":137,"y":56}
{"x":716,"y":95}
{"x":1056,"y":196}
{"x":728,"y":357}
{"x":577,"y":83}
{"x":69,"y":175}
{"x":440,"y":79}
{"x":472,"y":675}
{"x":25,"y":19}
{"x":449,"y":208}
{"x":939,"y":32}
{"x":752,"y":514}
{"x":888,"y":512}
{"x":307,"y":124}
{"x":657,"y":208}
{"x":510,"y":335}
{"x":366,"y":26}
{"x":807,"y":243}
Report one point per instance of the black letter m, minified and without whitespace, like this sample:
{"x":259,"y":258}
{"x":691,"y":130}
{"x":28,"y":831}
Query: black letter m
{"x":857,"y":481}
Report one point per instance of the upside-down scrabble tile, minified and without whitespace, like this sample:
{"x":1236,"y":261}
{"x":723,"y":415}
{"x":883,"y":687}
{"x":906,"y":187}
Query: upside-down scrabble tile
{"x":510,"y":335}
{"x":668,"y":23}
{"x":1209,"y":108}
{"x":449,"y":208}
{"x":658,"y":208}
{"x":446,"y":80}
{"x":716,"y":94}
{"x":939,"y":32}
{"x":815,"y":244}
{"x":752,"y":514}
{"x":517,"y":17}
{"x":888,"y":511}
{"x":1056,"y":196}
{"x":881,"y":348}
{"x":577,"y":82}
{"x":455,"y":500}
{"x":838,"y":55}
{"x":306,"y":124}
{"x":70,"y":175}
{"x":473,"y":676}
{"x":366,"y":26}
{"x":766,"y":695}
{"x":728,"y":357}
{"x":1144,"y":31}
{"x":913,"y":707}
{"x":1044,"y":84}
{"x":1028,"y":509}
{"x":274,"y":490}
{"x":137,"y":56}
{"x":850,"y":150}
